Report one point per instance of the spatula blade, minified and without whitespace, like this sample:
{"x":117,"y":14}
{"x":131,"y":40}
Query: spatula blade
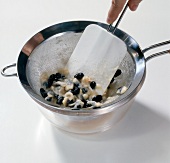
{"x":98,"y":55}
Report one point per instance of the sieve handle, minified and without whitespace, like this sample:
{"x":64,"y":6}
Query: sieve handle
{"x":7,"y":67}
{"x":155,"y":46}
{"x":157,"y":54}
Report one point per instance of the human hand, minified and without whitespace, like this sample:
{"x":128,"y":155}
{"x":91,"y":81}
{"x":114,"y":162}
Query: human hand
{"x":117,"y":6}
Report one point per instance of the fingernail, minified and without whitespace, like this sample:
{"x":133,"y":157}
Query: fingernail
{"x":134,"y":7}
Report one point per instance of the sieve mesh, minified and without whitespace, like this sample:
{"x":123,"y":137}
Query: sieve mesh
{"x":53,"y":54}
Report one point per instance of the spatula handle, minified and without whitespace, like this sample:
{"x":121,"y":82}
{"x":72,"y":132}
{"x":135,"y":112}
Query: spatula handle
{"x":118,"y":21}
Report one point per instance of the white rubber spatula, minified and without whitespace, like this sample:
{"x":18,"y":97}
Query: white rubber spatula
{"x":98,"y":55}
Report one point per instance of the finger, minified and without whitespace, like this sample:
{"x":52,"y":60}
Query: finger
{"x":115,"y":9}
{"x":133,"y":4}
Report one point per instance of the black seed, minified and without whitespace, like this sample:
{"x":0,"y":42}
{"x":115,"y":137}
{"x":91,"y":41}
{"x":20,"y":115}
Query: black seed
{"x":43,"y":93}
{"x":96,"y":107}
{"x":94,"y":98}
{"x":85,"y":103}
{"x":60,"y":100}
{"x":57,"y":76}
{"x":97,"y":98}
{"x":84,"y":90}
{"x":56,"y":96}
{"x":88,"y":105}
{"x":42,"y":90}
{"x":49,"y":99}
{"x":93,"y":84}
{"x":52,"y":76}
{"x":78,"y":106}
{"x":76,"y":85}
{"x":75,"y":91}
{"x":79,"y":75}
{"x":118,"y":72}
{"x":70,"y":101}
{"x":49,"y":82}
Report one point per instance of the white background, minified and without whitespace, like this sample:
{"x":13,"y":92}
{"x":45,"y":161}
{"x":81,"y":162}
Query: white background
{"x":143,"y":136}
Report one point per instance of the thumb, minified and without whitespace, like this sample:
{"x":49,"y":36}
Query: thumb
{"x":133,"y":4}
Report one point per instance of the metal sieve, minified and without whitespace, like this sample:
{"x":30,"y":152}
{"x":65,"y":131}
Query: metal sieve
{"x":49,"y":50}
{"x":59,"y":49}
{"x":53,"y":53}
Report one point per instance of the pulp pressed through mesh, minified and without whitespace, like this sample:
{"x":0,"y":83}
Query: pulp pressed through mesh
{"x":53,"y":54}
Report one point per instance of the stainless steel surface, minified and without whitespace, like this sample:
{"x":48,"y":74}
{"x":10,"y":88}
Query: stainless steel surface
{"x":7,"y":67}
{"x":86,"y":124}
